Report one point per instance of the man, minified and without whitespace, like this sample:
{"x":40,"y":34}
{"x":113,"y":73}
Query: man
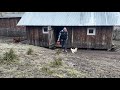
{"x":62,"y":38}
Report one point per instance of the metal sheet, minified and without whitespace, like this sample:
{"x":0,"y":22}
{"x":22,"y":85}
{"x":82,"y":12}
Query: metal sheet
{"x":70,"y":19}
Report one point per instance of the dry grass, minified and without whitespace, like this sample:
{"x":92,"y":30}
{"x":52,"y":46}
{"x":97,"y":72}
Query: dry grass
{"x":41,"y":63}
{"x":83,"y":64}
{"x":9,"y":56}
{"x":56,"y":63}
{"x":30,"y":51}
{"x":63,"y":72}
{"x":47,"y":70}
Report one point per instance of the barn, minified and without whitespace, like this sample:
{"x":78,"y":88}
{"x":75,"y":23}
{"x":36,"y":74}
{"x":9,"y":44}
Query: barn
{"x":8,"y":22}
{"x":86,"y":29}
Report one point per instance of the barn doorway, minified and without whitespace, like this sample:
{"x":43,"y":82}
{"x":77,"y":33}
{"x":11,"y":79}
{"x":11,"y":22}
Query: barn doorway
{"x":57,"y":29}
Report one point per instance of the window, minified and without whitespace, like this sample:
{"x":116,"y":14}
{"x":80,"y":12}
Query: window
{"x":91,"y":31}
{"x":45,"y":30}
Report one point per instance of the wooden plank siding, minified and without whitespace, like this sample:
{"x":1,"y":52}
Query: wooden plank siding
{"x":69,"y":43}
{"x":8,"y":27}
{"x":102,"y":39}
{"x":79,"y":37}
{"x":36,"y":37}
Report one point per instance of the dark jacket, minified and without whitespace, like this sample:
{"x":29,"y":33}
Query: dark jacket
{"x":63,"y":35}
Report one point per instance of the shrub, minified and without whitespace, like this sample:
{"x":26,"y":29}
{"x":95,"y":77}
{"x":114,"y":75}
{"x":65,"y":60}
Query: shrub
{"x":30,"y":51}
{"x":9,"y":56}
{"x":57,"y":62}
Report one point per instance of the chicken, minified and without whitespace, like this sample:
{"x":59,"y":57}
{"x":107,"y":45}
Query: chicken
{"x":73,"y":50}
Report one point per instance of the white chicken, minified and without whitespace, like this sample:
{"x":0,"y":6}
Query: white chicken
{"x":74,"y":50}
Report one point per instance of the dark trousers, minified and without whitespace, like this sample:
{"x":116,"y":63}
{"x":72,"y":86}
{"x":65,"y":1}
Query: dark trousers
{"x":64,"y":44}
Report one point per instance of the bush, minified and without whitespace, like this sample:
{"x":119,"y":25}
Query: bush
{"x":57,"y":62}
{"x":9,"y":56}
{"x":30,"y":51}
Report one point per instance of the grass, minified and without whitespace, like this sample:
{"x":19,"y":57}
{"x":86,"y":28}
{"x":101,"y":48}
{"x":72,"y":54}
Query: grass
{"x":58,"y":75}
{"x":30,"y":51}
{"x":66,"y":72}
{"x":56,"y":63}
{"x":25,"y":68}
{"x":47,"y":70}
{"x":72,"y":73}
{"x":58,"y":52}
{"x":59,"y":69}
{"x":9,"y":56}
{"x":1,"y":59}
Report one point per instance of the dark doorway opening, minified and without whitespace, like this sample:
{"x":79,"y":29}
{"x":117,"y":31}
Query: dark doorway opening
{"x":57,"y":29}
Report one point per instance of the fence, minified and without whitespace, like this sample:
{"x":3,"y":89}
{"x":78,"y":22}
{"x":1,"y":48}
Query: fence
{"x":12,"y":32}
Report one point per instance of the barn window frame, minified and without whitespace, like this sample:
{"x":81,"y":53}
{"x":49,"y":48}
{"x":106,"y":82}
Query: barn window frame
{"x":88,"y":31}
{"x":43,"y":30}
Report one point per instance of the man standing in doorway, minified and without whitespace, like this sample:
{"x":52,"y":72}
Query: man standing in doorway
{"x":62,"y":38}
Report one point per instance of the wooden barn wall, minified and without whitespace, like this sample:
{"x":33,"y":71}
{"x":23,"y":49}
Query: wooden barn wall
{"x":69,"y":43}
{"x":36,"y":37}
{"x":102,"y":39}
{"x":8,"y":27}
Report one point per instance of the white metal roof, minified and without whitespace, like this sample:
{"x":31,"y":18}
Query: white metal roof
{"x":70,"y":19}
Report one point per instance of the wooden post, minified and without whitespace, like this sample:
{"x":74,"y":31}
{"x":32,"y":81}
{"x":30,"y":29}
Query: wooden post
{"x":72,"y":36}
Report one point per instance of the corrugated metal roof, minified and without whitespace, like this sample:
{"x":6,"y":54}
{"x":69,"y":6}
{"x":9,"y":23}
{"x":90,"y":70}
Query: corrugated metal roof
{"x":70,"y":19}
{"x":11,"y":14}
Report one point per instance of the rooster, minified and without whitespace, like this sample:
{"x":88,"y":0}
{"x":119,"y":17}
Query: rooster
{"x":74,"y":50}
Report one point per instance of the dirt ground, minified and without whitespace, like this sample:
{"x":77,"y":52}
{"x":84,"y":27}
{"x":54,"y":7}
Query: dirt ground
{"x":83,"y":64}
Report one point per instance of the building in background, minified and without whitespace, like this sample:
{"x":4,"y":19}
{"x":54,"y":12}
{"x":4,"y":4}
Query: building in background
{"x":86,"y":29}
{"x":8,"y":24}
